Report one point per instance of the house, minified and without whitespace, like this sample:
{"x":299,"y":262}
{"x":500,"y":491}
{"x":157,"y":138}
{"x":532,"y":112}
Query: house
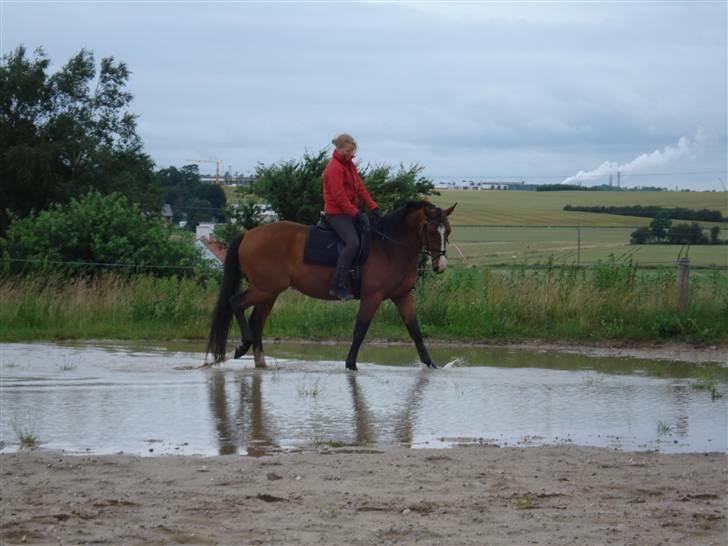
{"x":212,"y":250}
{"x":167,"y":213}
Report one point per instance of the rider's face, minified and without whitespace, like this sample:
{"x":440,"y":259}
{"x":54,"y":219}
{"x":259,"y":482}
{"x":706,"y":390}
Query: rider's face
{"x":348,"y":151}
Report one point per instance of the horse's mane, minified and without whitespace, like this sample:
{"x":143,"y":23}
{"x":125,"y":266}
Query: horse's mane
{"x":393,"y":224}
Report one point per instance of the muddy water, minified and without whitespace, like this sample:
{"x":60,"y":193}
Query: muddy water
{"x":151,"y":399}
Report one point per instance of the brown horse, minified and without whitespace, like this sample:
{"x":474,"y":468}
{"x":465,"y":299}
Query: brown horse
{"x":271,"y":258}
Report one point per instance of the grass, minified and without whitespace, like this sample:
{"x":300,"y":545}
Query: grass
{"x":25,"y":433}
{"x":663,"y":429}
{"x":310,"y":387}
{"x":708,"y":382}
{"x":613,"y":301}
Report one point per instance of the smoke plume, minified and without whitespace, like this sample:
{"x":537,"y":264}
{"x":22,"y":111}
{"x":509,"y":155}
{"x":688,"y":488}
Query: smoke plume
{"x":643,"y":163}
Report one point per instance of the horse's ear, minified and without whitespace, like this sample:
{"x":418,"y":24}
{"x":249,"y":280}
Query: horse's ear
{"x":448,"y":211}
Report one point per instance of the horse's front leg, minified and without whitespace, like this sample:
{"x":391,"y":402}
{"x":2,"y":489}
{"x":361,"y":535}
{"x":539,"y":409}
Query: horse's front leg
{"x":367,"y":308}
{"x":406,"y":306}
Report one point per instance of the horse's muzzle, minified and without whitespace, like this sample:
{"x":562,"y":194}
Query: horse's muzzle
{"x":439,"y":265}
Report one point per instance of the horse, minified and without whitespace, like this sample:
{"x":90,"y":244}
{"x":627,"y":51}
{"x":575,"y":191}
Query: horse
{"x":270,"y":257}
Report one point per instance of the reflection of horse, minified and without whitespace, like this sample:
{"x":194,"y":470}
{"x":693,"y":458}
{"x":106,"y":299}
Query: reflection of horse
{"x":271,"y":258}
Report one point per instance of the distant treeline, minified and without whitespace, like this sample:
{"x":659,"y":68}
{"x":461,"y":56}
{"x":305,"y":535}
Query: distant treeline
{"x":651,"y":211}
{"x":564,"y":187}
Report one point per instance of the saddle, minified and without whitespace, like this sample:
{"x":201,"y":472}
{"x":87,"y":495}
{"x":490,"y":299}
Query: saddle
{"x":323,"y":245}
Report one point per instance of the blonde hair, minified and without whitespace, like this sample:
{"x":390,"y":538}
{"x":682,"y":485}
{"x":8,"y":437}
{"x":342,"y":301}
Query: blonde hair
{"x":342,"y":140}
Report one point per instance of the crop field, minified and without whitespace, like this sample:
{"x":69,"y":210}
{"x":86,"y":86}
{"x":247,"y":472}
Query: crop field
{"x":514,"y":228}
{"x":530,"y":208}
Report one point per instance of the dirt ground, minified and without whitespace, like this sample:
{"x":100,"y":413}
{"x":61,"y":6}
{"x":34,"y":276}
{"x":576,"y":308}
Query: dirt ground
{"x":467,"y":495}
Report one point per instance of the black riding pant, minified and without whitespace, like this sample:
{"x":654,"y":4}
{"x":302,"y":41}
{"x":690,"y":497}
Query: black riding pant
{"x":343,"y":225}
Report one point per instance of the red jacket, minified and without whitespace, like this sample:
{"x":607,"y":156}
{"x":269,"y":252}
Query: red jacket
{"x":343,"y":188}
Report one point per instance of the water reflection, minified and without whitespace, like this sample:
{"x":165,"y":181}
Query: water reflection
{"x":159,"y":402}
{"x":362,"y":417}
{"x":250,"y":428}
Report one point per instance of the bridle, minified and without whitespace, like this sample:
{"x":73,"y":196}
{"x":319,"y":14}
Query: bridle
{"x":441,"y":229}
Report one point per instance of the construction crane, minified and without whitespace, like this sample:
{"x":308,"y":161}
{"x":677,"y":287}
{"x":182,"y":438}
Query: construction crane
{"x":217,"y":166}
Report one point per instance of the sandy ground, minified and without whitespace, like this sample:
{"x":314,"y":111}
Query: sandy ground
{"x":468,"y":495}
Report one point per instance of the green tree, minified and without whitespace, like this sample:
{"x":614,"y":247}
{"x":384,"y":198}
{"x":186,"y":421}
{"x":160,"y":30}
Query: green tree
{"x":64,"y":134}
{"x":714,"y":235}
{"x":99,"y":229}
{"x":687,"y":234}
{"x":191,"y":199}
{"x":392,"y":190}
{"x":640,"y":236}
{"x":293,"y":188}
{"x":660,"y":226}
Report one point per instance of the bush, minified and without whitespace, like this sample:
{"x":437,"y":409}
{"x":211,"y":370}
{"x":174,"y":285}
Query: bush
{"x":98,"y":230}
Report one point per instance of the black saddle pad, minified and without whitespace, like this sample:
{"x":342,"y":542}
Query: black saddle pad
{"x":323,"y":245}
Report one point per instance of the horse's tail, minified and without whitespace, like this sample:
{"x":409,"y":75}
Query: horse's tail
{"x":223,"y":312}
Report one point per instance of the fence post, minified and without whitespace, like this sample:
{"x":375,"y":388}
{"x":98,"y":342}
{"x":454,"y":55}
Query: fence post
{"x":578,"y":246}
{"x":683,"y":272}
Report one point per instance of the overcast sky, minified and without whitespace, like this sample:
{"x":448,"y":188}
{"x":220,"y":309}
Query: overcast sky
{"x":546,"y":92}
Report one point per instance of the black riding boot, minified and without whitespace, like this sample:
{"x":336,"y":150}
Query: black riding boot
{"x":338,"y":287}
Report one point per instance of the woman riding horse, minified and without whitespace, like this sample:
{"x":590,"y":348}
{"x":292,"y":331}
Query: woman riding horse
{"x":342,"y":190}
{"x":270,"y":257}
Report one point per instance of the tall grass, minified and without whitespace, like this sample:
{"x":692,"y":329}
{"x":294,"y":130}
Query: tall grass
{"x":614,"y":301}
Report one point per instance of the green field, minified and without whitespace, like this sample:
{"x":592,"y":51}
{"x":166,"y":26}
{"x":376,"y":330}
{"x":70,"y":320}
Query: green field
{"x":531,"y":208}
{"x":515,"y":228}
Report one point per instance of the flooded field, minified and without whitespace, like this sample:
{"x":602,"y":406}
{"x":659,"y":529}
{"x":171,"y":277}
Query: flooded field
{"x":152,"y":399}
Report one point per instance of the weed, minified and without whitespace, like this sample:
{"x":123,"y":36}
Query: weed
{"x":310,"y":387}
{"x":708,"y":382}
{"x":524,"y":502}
{"x":27,"y":438}
{"x":663,"y":428}
{"x":329,"y":511}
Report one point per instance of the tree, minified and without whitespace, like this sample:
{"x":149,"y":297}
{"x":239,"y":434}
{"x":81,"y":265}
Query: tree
{"x":191,"y":199}
{"x":640,"y":236}
{"x":660,"y":226}
{"x":392,"y":190}
{"x":293,"y":188}
{"x":66,"y":133}
{"x":99,"y":229}
{"x":715,"y":235}
{"x":687,"y":234}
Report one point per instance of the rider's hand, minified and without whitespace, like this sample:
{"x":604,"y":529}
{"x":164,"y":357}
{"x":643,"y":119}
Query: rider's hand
{"x":364,"y":220}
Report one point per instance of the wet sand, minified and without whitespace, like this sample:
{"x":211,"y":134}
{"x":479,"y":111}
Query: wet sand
{"x":465,"y":495}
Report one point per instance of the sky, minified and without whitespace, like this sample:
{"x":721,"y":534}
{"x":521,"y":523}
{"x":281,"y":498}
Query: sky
{"x":545,"y":92}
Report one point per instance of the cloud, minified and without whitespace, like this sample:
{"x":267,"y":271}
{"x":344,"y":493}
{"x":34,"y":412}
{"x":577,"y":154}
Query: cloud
{"x":644,"y":163}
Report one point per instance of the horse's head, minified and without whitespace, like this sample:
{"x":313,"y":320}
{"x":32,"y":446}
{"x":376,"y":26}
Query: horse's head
{"x":435,"y":233}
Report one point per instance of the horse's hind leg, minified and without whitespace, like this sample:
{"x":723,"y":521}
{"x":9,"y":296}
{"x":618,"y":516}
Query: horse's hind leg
{"x":257,"y":322}
{"x":239,"y":303}
{"x":246,"y":336}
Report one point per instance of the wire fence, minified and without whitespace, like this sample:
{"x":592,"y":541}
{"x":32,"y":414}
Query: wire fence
{"x":495,"y":246}
{"x":583,"y":246}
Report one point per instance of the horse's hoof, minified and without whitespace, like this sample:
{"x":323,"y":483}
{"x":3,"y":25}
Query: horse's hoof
{"x":352,"y":367}
{"x":432,"y":365}
{"x":241,"y":349}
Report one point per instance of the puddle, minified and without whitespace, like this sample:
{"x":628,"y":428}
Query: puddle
{"x":151,"y":399}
